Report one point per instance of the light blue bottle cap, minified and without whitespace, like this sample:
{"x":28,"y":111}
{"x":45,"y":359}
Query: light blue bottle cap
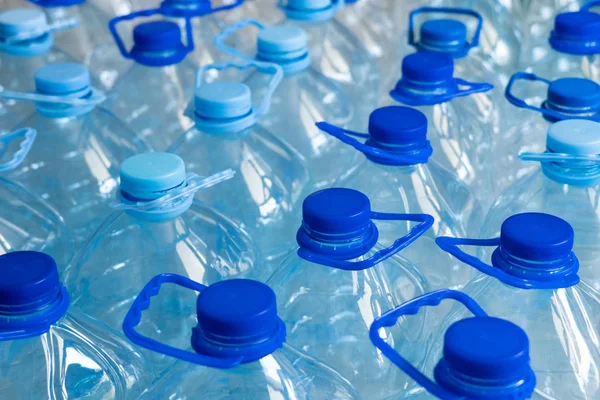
{"x":444,"y":34}
{"x":574,"y":94}
{"x":62,"y":78}
{"x":223,"y":100}
{"x":308,"y":4}
{"x":15,"y":22}
{"x":148,"y":176}
{"x":57,"y":3}
{"x":574,"y":136}
{"x":278,"y":43}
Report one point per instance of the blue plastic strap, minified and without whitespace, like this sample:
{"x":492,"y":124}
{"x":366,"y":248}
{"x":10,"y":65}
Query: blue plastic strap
{"x":345,"y":136}
{"x":230,"y":30}
{"x":425,"y":222}
{"x":28,"y":136}
{"x":446,"y":10}
{"x":411,"y":307}
{"x":418,"y":98}
{"x":142,"y":302}
{"x":549,"y":157}
{"x":588,"y":6}
{"x":32,"y":34}
{"x":173,"y":8}
{"x":96,"y":97}
{"x":267,"y":68}
{"x":112,"y":26}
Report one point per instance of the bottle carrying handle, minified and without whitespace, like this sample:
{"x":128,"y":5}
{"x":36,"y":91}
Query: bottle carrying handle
{"x":28,"y":136}
{"x":407,"y":97}
{"x":425,"y":221}
{"x":230,"y":30}
{"x":411,"y":307}
{"x":142,"y":302}
{"x":112,"y":26}
{"x":194,"y":183}
{"x":345,"y":136}
{"x":94,"y":100}
{"x":55,"y":26}
{"x":264,"y":67}
{"x":187,"y":10}
{"x":445,"y":10}
{"x":588,"y":6}
{"x":559,"y":157}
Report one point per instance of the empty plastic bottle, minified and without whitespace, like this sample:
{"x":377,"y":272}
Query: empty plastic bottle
{"x":265,"y":195}
{"x":28,"y":222}
{"x":157,"y":227}
{"x":567,"y":185}
{"x":574,"y":46}
{"x":304,"y":96}
{"x":557,"y":100}
{"x":398,"y":176}
{"x":26,"y":44}
{"x":482,"y":357}
{"x":340,"y":278}
{"x":49,"y":350}
{"x":335,"y":50}
{"x":239,"y":348}
{"x":152,"y":95}
{"x":531,"y":279}
{"x":74,"y":162}
{"x":462,"y":125}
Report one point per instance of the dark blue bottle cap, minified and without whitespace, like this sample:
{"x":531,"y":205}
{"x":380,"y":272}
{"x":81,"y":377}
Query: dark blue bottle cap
{"x":238,"y":317}
{"x":572,"y":95}
{"x":29,"y":282}
{"x":428,"y":67}
{"x":485,"y":357}
{"x":537,"y":237}
{"x":337,"y":212}
{"x":397,"y":125}
{"x":576,"y":33}
{"x":159,"y":41}
{"x":443,"y":35}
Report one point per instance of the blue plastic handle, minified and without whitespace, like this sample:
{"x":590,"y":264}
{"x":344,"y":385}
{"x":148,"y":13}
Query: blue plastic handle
{"x":142,"y":302}
{"x":112,"y":26}
{"x":28,"y":136}
{"x":445,"y":10}
{"x":230,"y":30}
{"x":588,"y":6}
{"x":173,"y":9}
{"x":419,"y":99}
{"x":425,"y":222}
{"x":412,"y":307}
{"x":345,"y":136}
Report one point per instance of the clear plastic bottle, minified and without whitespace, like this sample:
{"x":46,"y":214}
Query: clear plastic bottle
{"x":239,"y":349}
{"x":50,"y":351}
{"x":265,"y":195}
{"x":338,"y":280}
{"x":74,"y":162}
{"x":398,"y":175}
{"x":529,"y":276}
{"x":157,"y":228}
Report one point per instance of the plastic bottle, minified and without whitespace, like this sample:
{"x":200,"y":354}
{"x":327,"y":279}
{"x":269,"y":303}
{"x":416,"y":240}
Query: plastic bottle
{"x":74,"y":162}
{"x":28,"y":222}
{"x":239,"y":348}
{"x":566,"y":185}
{"x":304,"y":96}
{"x":398,"y":175}
{"x":339,"y":279}
{"x":462,"y":125}
{"x":531,"y":279}
{"x":152,"y":95}
{"x":157,"y":227}
{"x":50,"y":350}
{"x":483,"y":357}
{"x":265,"y":194}
{"x":26,"y":44}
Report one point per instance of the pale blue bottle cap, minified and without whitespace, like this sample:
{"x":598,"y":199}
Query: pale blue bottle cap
{"x":148,"y":176}
{"x":574,"y":136}
{"x":308,"y":4}
{"x":283,"y":41}
{"x":18,"y":21}
{"x":223,"y":100}
{"x":62,"y":78}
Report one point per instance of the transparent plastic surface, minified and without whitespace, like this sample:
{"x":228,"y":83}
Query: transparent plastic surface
{"x":78,"y":358}
{"x":286,"y":374}
{"x":74,"y":165}
{"x":300,"y":101}
{"x":152,"y":101}
{"x":424,"y":188}
{"x":265,"y":195}
{"x":126,"y":252}
{"x":328,"y":312}
{"x":578,"y":205}
{"x":553,"y":65}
